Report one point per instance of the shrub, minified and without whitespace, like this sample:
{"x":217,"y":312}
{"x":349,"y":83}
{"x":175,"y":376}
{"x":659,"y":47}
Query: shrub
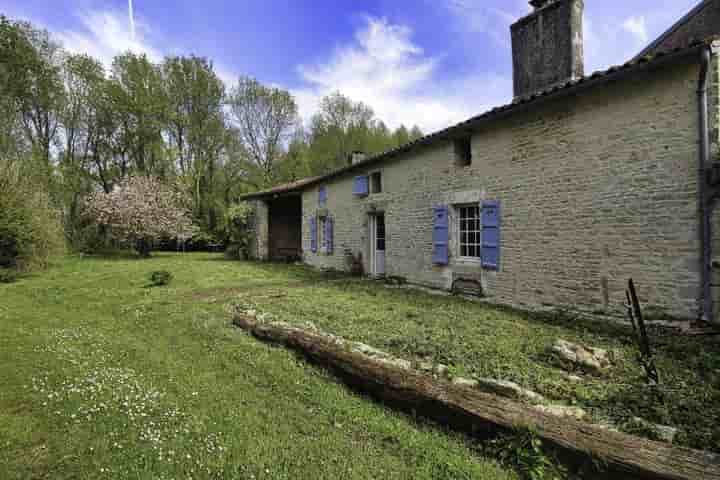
{"x":236,"y":251}
{"x":160,"y":277}
{"x":238,"y":229}
{"x":523,"y":450}
{"x":30,"y":228}
{"x":7,"y":275}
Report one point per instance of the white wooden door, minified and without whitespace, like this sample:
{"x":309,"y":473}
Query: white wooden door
{"x":378,"y":245}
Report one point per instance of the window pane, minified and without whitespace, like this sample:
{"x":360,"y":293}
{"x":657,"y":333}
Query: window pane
{"x":469,"y":231}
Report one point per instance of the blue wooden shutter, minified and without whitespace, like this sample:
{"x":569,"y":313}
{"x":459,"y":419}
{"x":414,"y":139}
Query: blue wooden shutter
{"x":322,"y":196}
{"x":360,"y":186}
{"x":313,"y":234}
{"x":440,"y":235}
{"x":490,"y":250}
{"x":329,"y":234}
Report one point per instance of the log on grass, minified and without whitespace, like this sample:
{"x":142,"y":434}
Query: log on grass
{"x":478,"y":413}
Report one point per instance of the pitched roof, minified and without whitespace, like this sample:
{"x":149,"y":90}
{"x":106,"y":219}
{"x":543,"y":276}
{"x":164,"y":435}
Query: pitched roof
{"x":282,"y":188}
{"x":676,"y":26}
{"x":518,"y":105}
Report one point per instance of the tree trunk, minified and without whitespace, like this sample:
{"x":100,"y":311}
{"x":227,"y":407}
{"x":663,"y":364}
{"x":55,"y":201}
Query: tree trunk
{"x":483,"y":414}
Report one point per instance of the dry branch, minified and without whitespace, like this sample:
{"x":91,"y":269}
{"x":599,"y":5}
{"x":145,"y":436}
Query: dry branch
{"x":480,"y":413}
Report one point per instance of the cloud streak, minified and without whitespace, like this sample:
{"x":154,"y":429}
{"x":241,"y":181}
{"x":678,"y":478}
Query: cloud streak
{"x":105,"y":34}
{"x":131,"y":15}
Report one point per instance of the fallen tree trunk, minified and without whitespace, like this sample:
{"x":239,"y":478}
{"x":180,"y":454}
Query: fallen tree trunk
{"x":484,"y":414}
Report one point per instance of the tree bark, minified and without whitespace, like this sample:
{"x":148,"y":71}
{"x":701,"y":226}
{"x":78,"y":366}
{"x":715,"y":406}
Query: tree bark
{"x":483,"y":414}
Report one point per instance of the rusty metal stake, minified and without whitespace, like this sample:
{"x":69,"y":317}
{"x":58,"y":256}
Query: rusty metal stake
{"x":638,"y":323}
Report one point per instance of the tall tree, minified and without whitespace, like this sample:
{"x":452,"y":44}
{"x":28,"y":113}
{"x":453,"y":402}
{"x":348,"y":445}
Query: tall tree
{"x":265,"y":117}
{"x":415,"y":133}
{"x":13,"y":143}
{"x":31,"y":80}
{"x":342,"y":126}
{"x":196,"y":128}
{"x":83,"y":78}
{"x":139,"y":99}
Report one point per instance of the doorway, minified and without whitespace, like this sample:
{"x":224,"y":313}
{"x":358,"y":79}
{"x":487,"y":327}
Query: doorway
{"x":284,"y":232}
{"x":377,"y":245}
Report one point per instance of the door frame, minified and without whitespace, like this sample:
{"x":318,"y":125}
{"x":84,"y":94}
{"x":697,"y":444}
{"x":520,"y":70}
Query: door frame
{"x":373,"y":243}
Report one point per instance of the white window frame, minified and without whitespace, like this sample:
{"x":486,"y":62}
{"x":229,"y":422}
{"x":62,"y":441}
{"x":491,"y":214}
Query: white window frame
{"x":458,"y":232}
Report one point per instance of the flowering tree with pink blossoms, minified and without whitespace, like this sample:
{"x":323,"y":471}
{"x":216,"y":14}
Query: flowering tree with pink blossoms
{"x":140,"y":210}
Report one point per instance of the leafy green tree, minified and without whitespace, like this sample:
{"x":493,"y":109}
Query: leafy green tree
{"x":340,"y":127}
{"x":415,"y":133}
{"x":31,"y":83}
{"x":83,"y":78}
{"x":401,"y":135}
{"x":74,"y":129}
{"x":264,"y":117}
{"x":13,"y":144}
{"x":196,"y":129}
{"x":139,"y":98}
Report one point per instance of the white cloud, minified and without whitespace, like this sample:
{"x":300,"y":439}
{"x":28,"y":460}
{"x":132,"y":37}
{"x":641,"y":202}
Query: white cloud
{"x":636,"y":26}
{"x":612,"y":43}
{"x":385,"y":69}
{"x":105,"y":34}
{"x":475,"y":16}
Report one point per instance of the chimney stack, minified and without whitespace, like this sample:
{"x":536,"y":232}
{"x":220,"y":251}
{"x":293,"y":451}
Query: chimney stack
{"x":547,"y":46}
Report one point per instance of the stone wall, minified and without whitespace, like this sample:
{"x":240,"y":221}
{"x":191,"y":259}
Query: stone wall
{"x":547,"y":47}
{"x":594,"y":189}
{"x":259,"y":247}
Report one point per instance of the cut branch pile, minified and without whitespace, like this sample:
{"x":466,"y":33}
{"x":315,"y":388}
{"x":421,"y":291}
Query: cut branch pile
{"x":483,"y":414}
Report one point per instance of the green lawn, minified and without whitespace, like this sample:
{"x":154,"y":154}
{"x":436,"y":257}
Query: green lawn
{"x":101,"y":377}
{"x":478,"y":340}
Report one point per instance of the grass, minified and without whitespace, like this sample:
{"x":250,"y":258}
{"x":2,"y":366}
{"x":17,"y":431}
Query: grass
{"x":102,"y":377}
{"x":476,"y":340}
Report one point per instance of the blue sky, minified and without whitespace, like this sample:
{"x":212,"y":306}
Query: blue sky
{"x":425,"y":62}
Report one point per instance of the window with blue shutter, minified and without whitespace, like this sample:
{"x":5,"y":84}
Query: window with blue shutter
{"x":329,"y":235}
{"x":491,"y":234}
{"x":440,"y":235}
{"x":360,"y":186}
{"x":322,"y":196}
{"x":313,"y":235}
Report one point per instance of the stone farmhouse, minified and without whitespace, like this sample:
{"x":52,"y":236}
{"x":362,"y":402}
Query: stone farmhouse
{"x":552,"y":201}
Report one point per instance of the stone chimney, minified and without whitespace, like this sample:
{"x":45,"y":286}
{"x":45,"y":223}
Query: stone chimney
{"x":547,"y":46}
{"x":356,"y":157}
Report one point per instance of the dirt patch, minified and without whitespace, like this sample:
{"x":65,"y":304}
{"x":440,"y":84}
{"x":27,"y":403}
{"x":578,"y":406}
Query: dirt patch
{"x":214,"y":293}
{"x":227,"y":293}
